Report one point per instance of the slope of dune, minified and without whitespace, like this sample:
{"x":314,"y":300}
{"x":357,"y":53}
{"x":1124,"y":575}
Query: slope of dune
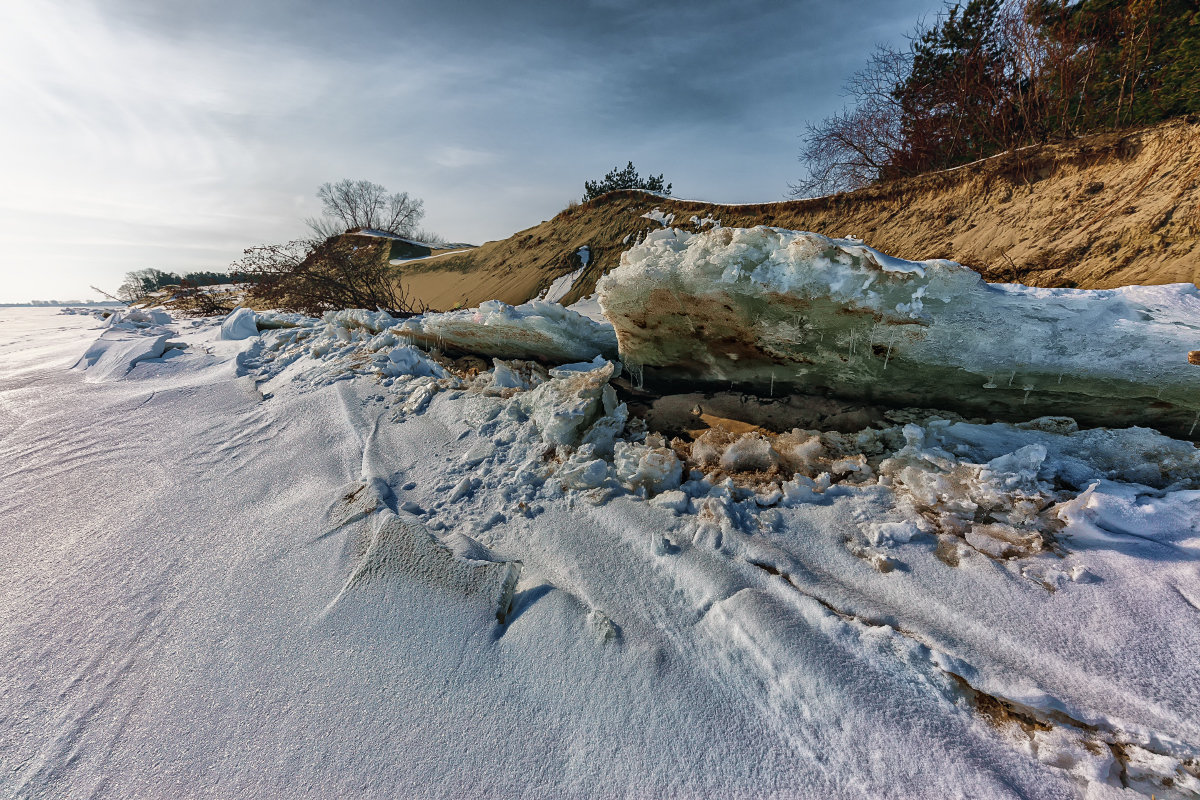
{"x":1099,"y":212}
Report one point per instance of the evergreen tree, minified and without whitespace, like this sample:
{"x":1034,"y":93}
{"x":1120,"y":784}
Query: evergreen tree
{"x":626,"y":178}
{"x":949,"y":100}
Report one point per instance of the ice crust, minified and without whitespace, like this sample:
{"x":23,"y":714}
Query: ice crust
{"x":775,"y":311}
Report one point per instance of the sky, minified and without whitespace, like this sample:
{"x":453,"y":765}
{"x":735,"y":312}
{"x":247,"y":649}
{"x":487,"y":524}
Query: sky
{"x":174,"y":134}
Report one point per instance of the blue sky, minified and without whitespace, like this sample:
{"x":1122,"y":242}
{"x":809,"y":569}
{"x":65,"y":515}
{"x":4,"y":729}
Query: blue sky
{"x":170,"y":134}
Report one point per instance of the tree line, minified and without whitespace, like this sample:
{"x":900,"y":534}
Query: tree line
{"x":143,"y":282}
{"x":993,"y":75}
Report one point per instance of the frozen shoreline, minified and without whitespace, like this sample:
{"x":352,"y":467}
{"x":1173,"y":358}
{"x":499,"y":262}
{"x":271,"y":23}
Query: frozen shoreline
{"x":216,"y":566}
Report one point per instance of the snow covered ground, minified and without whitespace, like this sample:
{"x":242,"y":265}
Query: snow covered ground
{"x":317,"y":561}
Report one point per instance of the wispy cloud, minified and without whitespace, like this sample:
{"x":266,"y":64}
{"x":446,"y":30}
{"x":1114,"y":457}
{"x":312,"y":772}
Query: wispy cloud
{"x":210,"y":125}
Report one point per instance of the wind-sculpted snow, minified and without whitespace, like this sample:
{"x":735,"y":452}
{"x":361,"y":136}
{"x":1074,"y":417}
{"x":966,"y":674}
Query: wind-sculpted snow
{"x":775,"y":311}
{"x":332,"y":562}
{"x":116,"y":352}
{"x":383,"y":546}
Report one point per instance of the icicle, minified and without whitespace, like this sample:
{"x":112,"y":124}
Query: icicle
{"x":1194,"y":421}
{"x":772,"y":383}
{"x":1010,"y":377}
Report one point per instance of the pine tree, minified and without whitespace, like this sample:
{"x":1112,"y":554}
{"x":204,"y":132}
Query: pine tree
{"x":626,"y":178}
{"x":949,"y":100}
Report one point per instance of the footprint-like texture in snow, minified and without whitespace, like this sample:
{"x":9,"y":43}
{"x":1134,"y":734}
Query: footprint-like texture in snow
{"x":383,"y":545}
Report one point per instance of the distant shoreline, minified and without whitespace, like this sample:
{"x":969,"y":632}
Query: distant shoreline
{"x":67,"y":304}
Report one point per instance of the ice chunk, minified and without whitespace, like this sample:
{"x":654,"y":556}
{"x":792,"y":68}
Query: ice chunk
{"x":1002,"y":541}
{"x":240,"y":324}
{"x":654,"y":468}
{"x":505,"y":377}
{"x":885,"y":533}
{"x":115,"y":353}
{"x":750,"y":453}
{"x":673,"y":500}
{"x":563,"y":408}
{"x":535,"y":330}
{"x":139,"y":318}
{"x":584,"y":473}
{"x":481,"y":451}
{"x":567,"y":370}
{"x":408,"y":360}
{"x":772,"y":310}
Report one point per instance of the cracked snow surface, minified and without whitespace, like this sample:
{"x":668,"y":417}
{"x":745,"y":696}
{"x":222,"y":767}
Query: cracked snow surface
{"x":311,"y":558}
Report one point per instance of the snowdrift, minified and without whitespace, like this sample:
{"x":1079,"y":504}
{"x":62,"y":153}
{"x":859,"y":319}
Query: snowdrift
{"x":773,"y":312}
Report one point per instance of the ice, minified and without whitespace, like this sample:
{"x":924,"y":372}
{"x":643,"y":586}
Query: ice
{"x":139,"y":318}
{"x":239,"y":324}
{"x":673,"y":500}
{"x":505,"y":377}
{"x":408,"y":360}
{"x":582,"y":471}
{"x":573,"y":369}
{"x":749,"y":453}
{"x":565,"y":407}
{"x":653,"y":468}
{"x":536,"y":330}
{"x":775,"y":311}
{"x":589,"y":307}
{"x":998,"y":540}
{"x":891,"y":533}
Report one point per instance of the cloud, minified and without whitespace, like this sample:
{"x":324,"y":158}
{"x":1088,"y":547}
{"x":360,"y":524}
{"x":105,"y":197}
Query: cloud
{"x":132,"y":124}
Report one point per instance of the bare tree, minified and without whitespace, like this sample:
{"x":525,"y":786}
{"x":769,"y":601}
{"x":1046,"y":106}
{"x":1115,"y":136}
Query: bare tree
{"x":330,"y":276}
{"x":361,"y":204}
{"x":201,"y":301}
{"x":858,"y":145}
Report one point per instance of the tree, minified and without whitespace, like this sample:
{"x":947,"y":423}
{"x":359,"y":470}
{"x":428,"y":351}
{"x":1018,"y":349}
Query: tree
{"x":142,"y":282}
{"x":951,"y":99}
{"x":626,"y":178}
{"x":361,"y":204}
{"x":329,"y":276}
{"x":1143,"y":58}
{"x":857,"y":146}
{"x":993,"y":75}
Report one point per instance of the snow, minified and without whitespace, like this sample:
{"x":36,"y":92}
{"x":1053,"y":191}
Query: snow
{"x":329,"y":562}
{"x":657,"y":215}
{"x":240,"y":324}
{"x":399,"y":261}
{"x":563,"y":285}
{"x":560,"y":287}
